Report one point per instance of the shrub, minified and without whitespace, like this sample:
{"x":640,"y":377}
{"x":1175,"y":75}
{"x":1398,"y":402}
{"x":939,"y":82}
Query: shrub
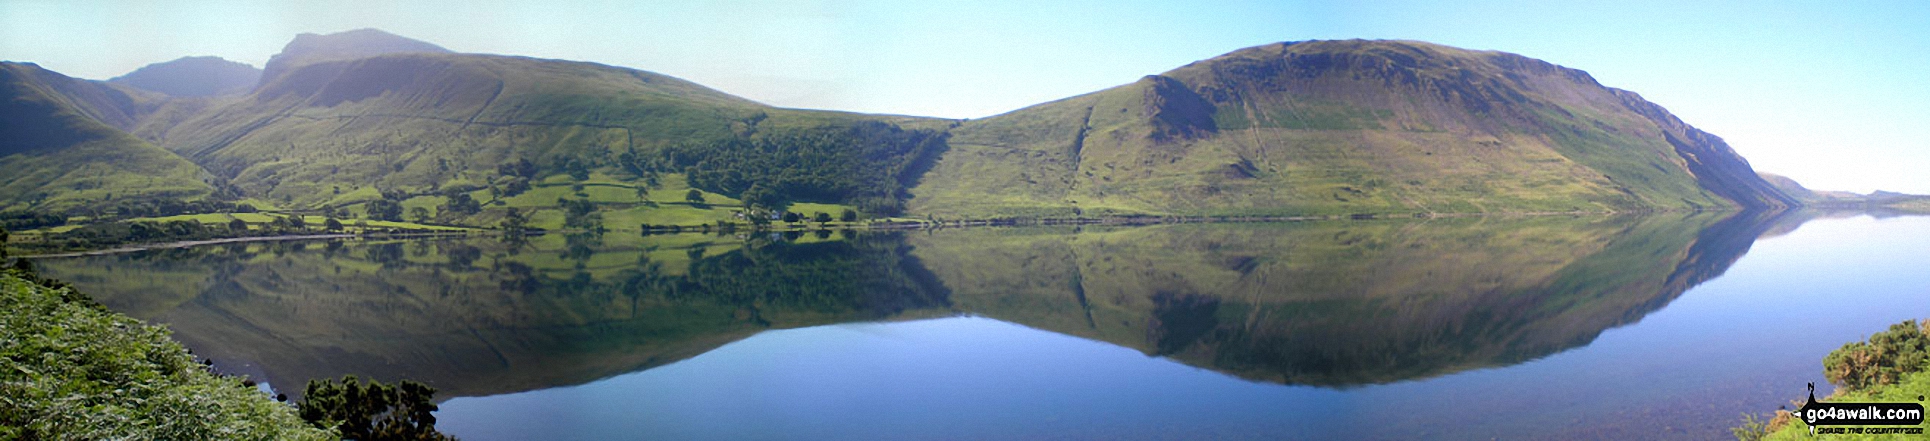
{"x":1882,"y":360}
{"x":372,"y":411}
{"x":88,"y":373}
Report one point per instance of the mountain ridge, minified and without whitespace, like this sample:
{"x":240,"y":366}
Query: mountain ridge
{"x":1334,"y":127}
{"x":193,"y":77}
{"x":1358,"y":118}
{"x":59,"y":148}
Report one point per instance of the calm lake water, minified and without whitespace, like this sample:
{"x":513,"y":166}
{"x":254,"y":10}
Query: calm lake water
{"x":1625,"y":327}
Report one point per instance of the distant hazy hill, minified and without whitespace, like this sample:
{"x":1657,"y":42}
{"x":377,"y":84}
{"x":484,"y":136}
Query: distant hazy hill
{"x":62,"y":146}
{"x":1335,"y":127}
{"x":1843,"y":199}
{"x":193,"y":77}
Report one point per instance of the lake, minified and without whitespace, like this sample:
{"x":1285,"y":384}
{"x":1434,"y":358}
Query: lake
{"x":1612,"y":327}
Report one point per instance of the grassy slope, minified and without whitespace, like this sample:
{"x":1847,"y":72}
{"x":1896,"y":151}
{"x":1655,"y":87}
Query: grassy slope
{"x":56,"y":152}
{"x":1322,"y":128}
{"x":335,"y":133}
{"x":72,"y":370}
{"x":1330,"y":127}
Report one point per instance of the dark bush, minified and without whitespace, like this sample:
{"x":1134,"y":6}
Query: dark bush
{"x":1882,"y":360}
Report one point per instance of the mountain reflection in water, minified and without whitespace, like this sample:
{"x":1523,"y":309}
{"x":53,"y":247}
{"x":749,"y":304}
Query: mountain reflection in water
{"x":1332,"y":304}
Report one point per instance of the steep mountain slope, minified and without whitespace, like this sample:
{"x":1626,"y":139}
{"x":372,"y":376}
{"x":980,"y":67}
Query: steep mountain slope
{"x":1336,"y":127}
{"x":1311,"y":128}
{"x":340,"y":131}
{"x":61,"y":146}
{"x":193,"y":77}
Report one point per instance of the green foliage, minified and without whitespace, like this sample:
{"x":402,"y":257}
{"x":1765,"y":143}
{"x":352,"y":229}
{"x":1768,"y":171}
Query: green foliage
{"x":372,"y":411}
{"x":577,"y":170}
{"x":70,"y":369}
{"x":519,"y":168}
{"x":760,"y":197}
{"x":868,"y":163}
{"x":103,"y":235}
{"x":791,"y":217}
{"x":848,"y":216}
{"x":514,"y":220}
{"x":1889,"y":367}
{"x":460,"y":202}
{"x":1885,"y":358}
{"x":1752,"y":428}
{"x":28,"y":220}
{"x":515,"y":187}
{"x":821,"y":217}
{"x":384,"y":209}
{"x":580,"y":213}
{"x":694,"y":196}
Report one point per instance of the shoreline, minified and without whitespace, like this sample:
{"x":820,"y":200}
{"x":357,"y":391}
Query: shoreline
{"x":196,"y":243}
{"x":899,"y":225}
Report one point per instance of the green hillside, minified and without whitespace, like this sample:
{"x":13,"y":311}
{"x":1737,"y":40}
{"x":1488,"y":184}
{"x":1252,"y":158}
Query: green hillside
{"x":423,"y":126}
{"x":369,"y":124}
{"x":60,"y":148}
{"x":1339,"y":127}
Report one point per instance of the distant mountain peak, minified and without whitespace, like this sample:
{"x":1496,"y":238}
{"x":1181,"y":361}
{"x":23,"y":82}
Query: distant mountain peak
{"x":193,"y":76}
{"x":310,"y":48}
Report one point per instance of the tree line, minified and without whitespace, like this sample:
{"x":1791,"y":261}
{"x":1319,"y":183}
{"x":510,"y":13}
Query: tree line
{"x":869,"y":165}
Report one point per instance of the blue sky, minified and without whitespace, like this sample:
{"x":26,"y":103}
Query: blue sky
{"x":1831,"y":93}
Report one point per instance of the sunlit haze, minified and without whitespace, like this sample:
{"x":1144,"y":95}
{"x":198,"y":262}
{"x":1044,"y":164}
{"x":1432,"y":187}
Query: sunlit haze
{"x":1829,"y":93}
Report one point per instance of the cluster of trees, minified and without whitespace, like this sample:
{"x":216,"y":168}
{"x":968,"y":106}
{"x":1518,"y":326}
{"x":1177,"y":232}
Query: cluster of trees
{"x":173,"y":207}
{"x":515,"y":177}
{"x":108,"y":234}
{"x":384,"y":209}
{"x":580,"y":213}
{"x":868,"y":164}
{"x":116,"y":233}
{"x":20,"y":219}
{"x":389,"y":208}
{"x":461,"y":203}
{"x":27,"y":220}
